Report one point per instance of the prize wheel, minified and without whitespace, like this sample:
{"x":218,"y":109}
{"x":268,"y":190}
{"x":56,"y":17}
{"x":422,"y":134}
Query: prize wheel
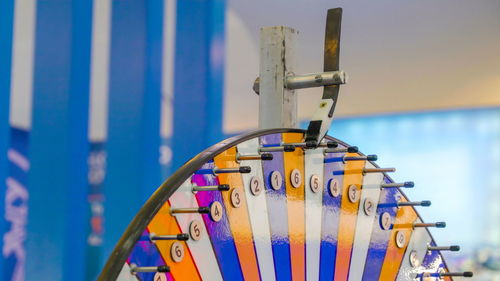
{"x":263,"y":206}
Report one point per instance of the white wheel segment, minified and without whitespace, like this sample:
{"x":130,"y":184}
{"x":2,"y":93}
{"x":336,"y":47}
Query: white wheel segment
{"x":257,"y":207}
{"x":370,"y":191}
{"x":314,"y":167}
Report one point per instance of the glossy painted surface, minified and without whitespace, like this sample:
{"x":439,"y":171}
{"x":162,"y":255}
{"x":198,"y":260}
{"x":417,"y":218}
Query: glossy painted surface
{"x":219,"y":232}
{"x":277,"y":211}
{"x":166,"y":224}
{"x":405,"y":217}
{"x":239,"y":221}
{"x":370,"y":195}
{"x":419,"y":241}
{"x":330,"y":220}
{"x":257,"y":208}
{"x":380,"y":237}
{"x":348,"y":217}
{"x":433,"y":262}
{"x":296,"y":208}
{"x":146,"y":253}
{"x":314,"y":206}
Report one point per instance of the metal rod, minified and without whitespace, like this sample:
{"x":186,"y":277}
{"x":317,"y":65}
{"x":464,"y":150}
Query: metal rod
{"x":453,"y":248}
{"x":242,"y":169}
{"x":180,"y":237}
{"x":285,"y":148}
{"x":312,"y":144}
{"x":379,"y":170}
{"x":457,"y":274}
{"x":220,"y":187}
{"x":424,"y":203}
{"x":361,"y":158}
{"x":161,"y":268}
{"x":316,"y":80}
{"x":363,"y":171}
{"x":350,"y":149}
{"x":407,"y":184}
{"x":310,"y":80}
{"x":200,"y":210}
{"x":263,"y":156}
{"x":351,"y":158}
{"x":436,"y":224}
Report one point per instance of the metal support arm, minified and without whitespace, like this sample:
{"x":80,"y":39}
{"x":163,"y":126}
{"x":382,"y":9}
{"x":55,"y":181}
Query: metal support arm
{"x":294,"y":82}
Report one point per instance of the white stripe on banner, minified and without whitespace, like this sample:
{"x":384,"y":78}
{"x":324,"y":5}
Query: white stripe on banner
{"x":99,"y":70}
{"x":167,"y":86}
{"x":21,"y":91}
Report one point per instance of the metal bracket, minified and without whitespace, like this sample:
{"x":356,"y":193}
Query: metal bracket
{"x":277,"y":81}
{"x":310,"y":80}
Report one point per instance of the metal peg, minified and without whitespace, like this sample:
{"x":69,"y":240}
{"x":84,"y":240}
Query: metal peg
{"x":263,"y":156}
{"x":435,"y":224}
{"x":457,"y":274}
{"x":311,"y":80}
{"x":179,"y":237}
{"x":349,"y":149}
{"x":453,"y":248}
{"x":351,"y":158}
{"x":285,"y":148}
{"x":444,"y":274}
{"x":161,"y":268}
{"x":312,"y":144}
{"x":424,"y":203}
{"x":220,"y":187}
{"x":242,"y":169}
{"x":379,"y":170}
{"x":215,"y":171}
{"x":200,"y":210}
{"x":406,"y":184}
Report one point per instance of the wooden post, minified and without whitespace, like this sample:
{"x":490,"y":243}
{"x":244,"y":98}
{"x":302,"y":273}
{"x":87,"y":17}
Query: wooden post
{"x":277,"y":105}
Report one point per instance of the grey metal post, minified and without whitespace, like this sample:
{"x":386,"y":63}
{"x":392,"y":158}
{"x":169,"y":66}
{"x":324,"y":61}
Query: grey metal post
{"x":277,"y":105}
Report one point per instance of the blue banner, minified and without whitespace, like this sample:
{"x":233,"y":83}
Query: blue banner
{"x":96,"y":174}
{"x":16,"y":206}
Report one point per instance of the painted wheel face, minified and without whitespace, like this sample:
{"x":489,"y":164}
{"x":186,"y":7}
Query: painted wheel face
{"x":322,"y":219}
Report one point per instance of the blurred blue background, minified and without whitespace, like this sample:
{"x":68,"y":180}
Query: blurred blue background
{"x":101,"y":100}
